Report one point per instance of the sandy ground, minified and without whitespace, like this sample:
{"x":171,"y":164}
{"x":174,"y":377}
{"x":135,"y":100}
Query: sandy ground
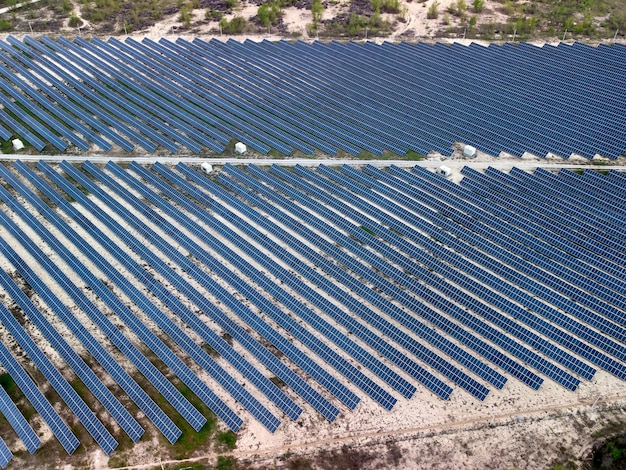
{"x":416,"y":25}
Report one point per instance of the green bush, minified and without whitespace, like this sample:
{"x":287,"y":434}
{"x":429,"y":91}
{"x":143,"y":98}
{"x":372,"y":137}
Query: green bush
{"x":74,"y":20}
{"x":6,"y":25}
{"x":269,"y":13}
{"x":433,"y":11}
{"x":317,"y":10}
{"x":234,"y":26}
{"x":479,"y":6}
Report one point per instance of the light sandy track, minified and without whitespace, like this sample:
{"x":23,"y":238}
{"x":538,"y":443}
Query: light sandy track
{"x":501,"y":164}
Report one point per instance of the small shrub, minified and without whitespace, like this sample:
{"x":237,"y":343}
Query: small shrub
{"x":234,"y":26}
{"x":479,"y":6}
{"x":433,"y":11}
{"x":185,"y":16}
{"x":6,"y":25}
{"x":269,"y":13}
{"x":74,"y":20}
{"x":509,"y":8}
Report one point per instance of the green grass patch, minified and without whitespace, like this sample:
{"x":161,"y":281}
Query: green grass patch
{"x":413,"y":155}
{"x":364,"y":228}
{"x":9,"y":385}
{"x":190,"y":439}
{"x":226,"y":463}
{"x":228,"y":439}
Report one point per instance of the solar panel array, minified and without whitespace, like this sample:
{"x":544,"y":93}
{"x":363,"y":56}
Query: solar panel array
{"x":297,"y":97}
{"x":340,"y":283}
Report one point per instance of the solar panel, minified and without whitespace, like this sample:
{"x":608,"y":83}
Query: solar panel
{"x":504,"y":271}
{"x":293,"y":327}
{"x":176,"y":399}
{"x":542,"y":239}
{"x":282,"y":95}
{"x":71,"y":398}
{"x":19,"y":424}
{"x":236,"y":331}
{"x":397,"y":275}
{"x":547,"y":348}
{"x":581,"y":235}
{"x":5,"y":454}
{"x":82,"y":370}
{"x":102,"y":105}
{"x":540,"y":267}
{"x":60,"y":430}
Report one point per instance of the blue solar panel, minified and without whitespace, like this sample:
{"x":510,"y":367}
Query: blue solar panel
{"x":176,"y":399}
{"x":93,"y":425}
{"x":354,"y":97}
{"x":362,"y":271}
{"x":60,"y":430}
{"x":293,"y":327}
{"x":417,"y":237}
{"x":524,"y":259}
{"x":291,"y":379}
{"x":485,"y":186}
{"x":397,"y":275}
{"x":426,"y":274}
{"x":236,"y":331}
{"x":5,"y":454}
{"x":17,"y":421}
{"x":99,"y":109}
{"x":407,"y":341}
{"x":82,"y":370}
{"x":543,"y":240}
{"x":500,"y":269}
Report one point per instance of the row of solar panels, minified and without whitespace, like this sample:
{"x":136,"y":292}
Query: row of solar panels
{"x":307,"y":97}
{"x":443,"y":283}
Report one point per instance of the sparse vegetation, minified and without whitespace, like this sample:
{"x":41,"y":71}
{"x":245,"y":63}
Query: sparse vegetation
{"x":235,"y":26}
{"x":572,"y":19}
{"x":74,"y":20}
{"x":433,"y":11}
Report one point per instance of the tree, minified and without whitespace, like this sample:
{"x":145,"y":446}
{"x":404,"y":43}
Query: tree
{"x":317,"y":10}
